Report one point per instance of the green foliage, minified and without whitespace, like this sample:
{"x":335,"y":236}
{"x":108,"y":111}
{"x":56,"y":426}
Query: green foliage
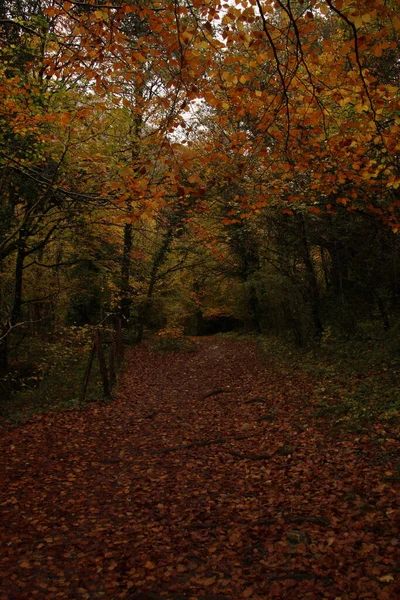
{"x":172,"y":340}
{"x":355,"y":381}
{"x":49,"y":375}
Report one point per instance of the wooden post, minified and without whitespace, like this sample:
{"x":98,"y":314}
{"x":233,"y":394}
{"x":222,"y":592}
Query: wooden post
{"x":113,"y":377}
{"x":102,"y":365}
{"x":118,"y":340}
{"x":87,"y":372}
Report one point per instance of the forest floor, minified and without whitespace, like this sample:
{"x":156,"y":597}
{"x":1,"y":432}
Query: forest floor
{"x":211,"y":476}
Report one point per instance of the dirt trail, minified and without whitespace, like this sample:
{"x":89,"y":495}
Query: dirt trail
{"x":208,"y":478}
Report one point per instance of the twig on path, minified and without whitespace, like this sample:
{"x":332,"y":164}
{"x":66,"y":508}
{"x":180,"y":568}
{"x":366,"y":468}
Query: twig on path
{"x":215,"y":392}
{"x":297,"y":519}
{"x":269,"y":521}
{"x":252,"y":456}
{"x":205,"y":443}
{"x":257,"y":401}
{"x":147,"y":596}
{"x":202,"y":526}
{"x":281,"y":451}
{"x":300,"y":519}
{"x":297,"y":575}
{"x":151,"y":415}
{"x":192,"y":445}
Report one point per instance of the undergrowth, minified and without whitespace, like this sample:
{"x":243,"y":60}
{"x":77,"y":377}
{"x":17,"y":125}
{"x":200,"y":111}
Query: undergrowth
{"x":172,"y":340}
{"x":356,"y":381}
{"x":48,"y":375}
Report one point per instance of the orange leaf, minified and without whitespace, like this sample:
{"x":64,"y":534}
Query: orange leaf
{"x":181,"y":568}
{"x":386,"y":578}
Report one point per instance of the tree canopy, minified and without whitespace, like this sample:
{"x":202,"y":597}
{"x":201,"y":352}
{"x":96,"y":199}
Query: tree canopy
{"x":245,"y":149}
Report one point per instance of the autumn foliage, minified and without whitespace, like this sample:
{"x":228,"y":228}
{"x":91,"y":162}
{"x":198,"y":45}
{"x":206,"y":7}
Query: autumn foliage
{"x":184,"y":168}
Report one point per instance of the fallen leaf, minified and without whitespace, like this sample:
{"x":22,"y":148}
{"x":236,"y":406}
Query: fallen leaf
{"x":386,"y":578}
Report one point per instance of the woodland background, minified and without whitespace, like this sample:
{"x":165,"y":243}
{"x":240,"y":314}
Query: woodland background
{"x":198,"y":167}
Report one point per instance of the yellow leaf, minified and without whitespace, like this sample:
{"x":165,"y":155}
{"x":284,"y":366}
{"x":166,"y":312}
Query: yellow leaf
{"x":209,"y":581}
{"x":247,"y":593}
{"x":386,"y":578}
{"x":226,"y":76}
{"x":150,"y":565}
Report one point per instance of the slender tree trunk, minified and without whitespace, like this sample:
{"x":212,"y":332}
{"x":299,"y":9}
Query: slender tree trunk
{"x":17,"y":304}
{"x":324,"y":267}
{"x":198,"y":316}
{"x":383,"y":312}
{"x":3,"y":342}
{"x":126,"y":295}
{"x":3,"y":352}
{"x":158,"y":262}
{"x":313,"y":288}
{"x":19,"y":274}
{"x":102,"y":365}
{"x":254,"y":309}
{"x":126,"y":299}
{"x":293,"y":323}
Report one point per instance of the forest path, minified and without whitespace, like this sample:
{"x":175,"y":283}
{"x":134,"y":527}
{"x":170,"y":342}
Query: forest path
{"x":208,"y":478}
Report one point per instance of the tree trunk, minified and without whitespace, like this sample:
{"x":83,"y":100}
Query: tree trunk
{"x":383,"y":312}
{"x":294,"y":324}
{"x":17,"y":305}
{"x":19,"y":273}
{"x":313,"y":288}
{"x":126,"y":299}
{"x":158,"y":262}
{"x":102,"y":365}
{"x":254,"y":309}
{"x":3,"y":353}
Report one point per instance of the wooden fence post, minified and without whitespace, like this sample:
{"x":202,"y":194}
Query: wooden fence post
{"x":102,"y":365}
{"x":113,"y":377}
{"x":87,"y":372}
{"x":108,"y":372}
{"x":118,"y":340}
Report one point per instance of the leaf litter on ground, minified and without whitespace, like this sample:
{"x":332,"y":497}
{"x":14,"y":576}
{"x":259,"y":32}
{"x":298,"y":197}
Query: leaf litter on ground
{"x":208,"y":478}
